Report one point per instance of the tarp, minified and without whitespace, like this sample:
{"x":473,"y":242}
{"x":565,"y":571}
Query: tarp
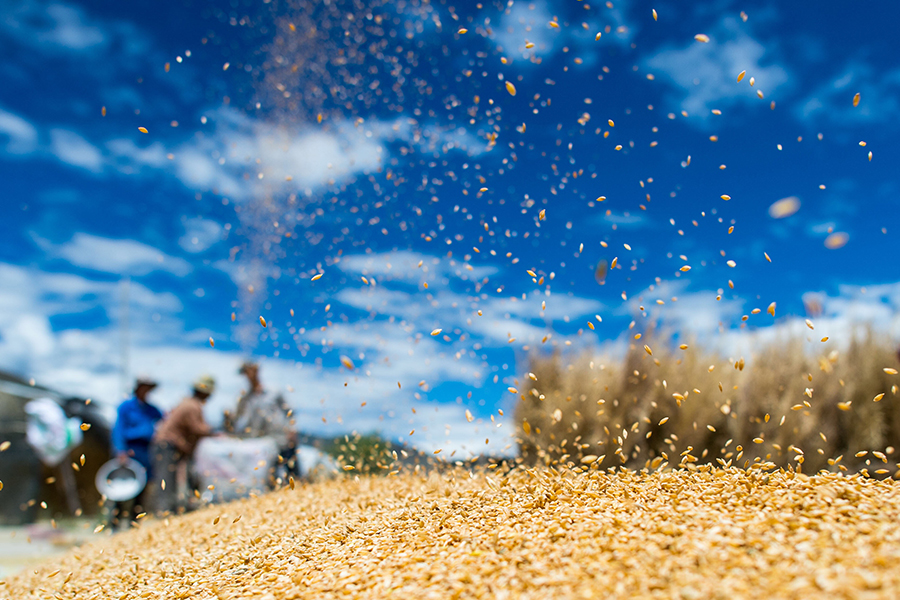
{"x":234,"y":467}
{"x":315,"y":465}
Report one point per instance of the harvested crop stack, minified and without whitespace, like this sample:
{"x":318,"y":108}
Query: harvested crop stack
{"x":698,"y":533}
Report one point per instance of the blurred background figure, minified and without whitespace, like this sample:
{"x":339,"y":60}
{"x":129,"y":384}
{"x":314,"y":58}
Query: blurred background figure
{"x":261,"y":413}
{"x":174,"y":445}
{"x":54,"y":435}
{"x":601,"y":271}
{"x":136,"y":421}
{"x":813,"y":304}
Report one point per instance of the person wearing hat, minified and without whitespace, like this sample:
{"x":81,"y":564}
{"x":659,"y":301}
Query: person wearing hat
{"x":263,"y":413}
{"x":136,"y":421}
{"x":174,"y":444}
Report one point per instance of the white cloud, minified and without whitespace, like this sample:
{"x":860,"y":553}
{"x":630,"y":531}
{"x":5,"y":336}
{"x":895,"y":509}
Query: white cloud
{"x":63,"y":293}
{"x":323,"y":405}
{"x":502,"y":319}
{"x":126,"y":155}
{"x":820,"y":229}
{"x":243,"y":157}
{"x":397,"y":345}
{"x":88,"y":362}
{"x":529,"y":22}
{"x":30,"y":334}
{"x":239,"y":144}
{"x":526,"y":23}
{"x":72,"y":149}
{"x":199,"y":234}
{"x":625,"y":219}
{"x":68,"y":29}
{"x":693,"y":314}
{"x":843,"y":317}
{"x":54,"y":25}
{"x":832,"y":102}
{"x":29,"y":298}
{"x":402,"y":265}
{"x":197,"y":170}
{"x":122,"y":256}
{"x":21,"y":135}
{"x":385,"y":351}
{"x":706,"y":74}
{"x":299,"y":158}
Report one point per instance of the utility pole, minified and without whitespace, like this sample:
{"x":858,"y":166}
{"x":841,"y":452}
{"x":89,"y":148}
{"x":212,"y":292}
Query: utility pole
{"x":124,"y":376}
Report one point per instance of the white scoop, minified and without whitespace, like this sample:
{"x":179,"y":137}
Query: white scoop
{"x":121,"y":481}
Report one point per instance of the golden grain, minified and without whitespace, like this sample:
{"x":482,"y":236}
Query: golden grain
{"x":444,"y":535}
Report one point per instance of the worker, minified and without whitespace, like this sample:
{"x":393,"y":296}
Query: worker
{"x":174,"y":444}
{"x":263,"y":413}
{"x":136,"y":421}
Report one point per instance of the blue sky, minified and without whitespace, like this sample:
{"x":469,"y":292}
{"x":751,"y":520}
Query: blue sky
{"x":380,"y":147}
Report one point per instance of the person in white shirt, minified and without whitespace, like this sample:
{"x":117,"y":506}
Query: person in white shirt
{"x":261,"y":413}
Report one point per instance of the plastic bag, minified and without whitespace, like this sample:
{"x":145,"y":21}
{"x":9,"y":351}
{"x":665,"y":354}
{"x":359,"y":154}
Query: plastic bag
{"x":50,"y":432}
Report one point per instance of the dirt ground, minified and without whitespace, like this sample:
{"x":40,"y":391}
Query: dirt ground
{"x":30,"y":545}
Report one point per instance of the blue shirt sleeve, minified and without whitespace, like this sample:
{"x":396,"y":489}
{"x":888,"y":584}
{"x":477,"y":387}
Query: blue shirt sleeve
{"x":134,"y":422}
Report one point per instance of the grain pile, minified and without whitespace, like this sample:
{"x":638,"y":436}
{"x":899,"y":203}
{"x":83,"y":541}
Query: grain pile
{"x":698,"y":533}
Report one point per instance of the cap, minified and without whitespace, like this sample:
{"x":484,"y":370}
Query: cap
{"x":144,"y":380}
{"x":205,"y":384}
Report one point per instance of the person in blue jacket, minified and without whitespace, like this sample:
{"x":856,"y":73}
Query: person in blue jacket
{"x":136,"y":421}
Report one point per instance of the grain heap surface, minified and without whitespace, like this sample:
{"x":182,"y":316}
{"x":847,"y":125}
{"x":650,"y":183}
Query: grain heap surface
{"x":703,"y":533}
